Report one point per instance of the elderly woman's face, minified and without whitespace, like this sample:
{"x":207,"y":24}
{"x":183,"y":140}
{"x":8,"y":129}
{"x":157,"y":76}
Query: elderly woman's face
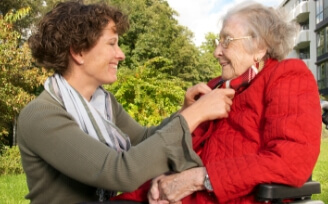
{"x":232,"y":56}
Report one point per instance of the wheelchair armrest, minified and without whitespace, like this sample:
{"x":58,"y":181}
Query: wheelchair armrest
{"x":266,"y":192}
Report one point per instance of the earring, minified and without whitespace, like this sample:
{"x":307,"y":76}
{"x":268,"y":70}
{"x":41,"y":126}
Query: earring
{"x":81,"y":62}
{"x":260,"y":64}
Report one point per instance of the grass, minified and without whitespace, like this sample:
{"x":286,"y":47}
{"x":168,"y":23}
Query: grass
{"x":320,"y":172}
{"x":13,"y":187}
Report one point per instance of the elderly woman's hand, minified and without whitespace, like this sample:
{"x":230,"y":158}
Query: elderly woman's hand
{"x":172,"y":188}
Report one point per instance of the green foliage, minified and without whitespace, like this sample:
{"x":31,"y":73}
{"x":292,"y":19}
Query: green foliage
{"x":36,"y":9}
{"x":149,"y":95}
{"x":208,"y":65}
{"x":18,"y":78}
{"x":12,"y":17}
{"x":10,"y":161}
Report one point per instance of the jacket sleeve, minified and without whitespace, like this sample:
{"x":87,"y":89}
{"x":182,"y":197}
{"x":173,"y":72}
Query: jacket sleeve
{"x":290,"y":140}
{"x":46,"y":131}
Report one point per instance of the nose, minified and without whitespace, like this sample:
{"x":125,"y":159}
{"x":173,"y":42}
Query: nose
{"x":218,"y":51}
{"x":120,"y":54}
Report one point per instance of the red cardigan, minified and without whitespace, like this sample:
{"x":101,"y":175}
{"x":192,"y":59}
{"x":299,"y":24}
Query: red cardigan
{"x":272,"y":135}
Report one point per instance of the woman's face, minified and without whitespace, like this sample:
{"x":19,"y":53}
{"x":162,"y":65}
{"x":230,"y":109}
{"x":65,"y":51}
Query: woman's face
{"x":100,"y":62}
{"x":233,"y":57}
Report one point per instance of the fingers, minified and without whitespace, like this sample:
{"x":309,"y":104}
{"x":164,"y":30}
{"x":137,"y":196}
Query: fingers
{"x":213,"y":105}
{"x":154,"y":194}
{"x":217,"y":103}
{"x":163,"y":202}
{"x":194,"y":92}
{"x":179,"y":185}
{"x":158,"y":202}
{"x":200,"y":88}
{"x":230,"y":93}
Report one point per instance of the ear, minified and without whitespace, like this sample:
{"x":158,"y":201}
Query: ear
{"x":77,"y":57}
{"x":260,"y":54}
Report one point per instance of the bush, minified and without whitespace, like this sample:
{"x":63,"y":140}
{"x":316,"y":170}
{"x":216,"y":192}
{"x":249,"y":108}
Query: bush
{"x":10,"y":161}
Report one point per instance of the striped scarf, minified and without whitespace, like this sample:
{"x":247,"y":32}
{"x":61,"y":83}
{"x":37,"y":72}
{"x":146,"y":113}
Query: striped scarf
{"x":94,"y":117}
{"x":240,"y":83}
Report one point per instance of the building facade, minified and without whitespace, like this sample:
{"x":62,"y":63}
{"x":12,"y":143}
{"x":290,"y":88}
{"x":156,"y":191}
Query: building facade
{"x":311,"y":45}
{"x":321,"y":31}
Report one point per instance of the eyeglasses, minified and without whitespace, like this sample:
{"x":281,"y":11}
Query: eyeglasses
{"x":224,"y":42}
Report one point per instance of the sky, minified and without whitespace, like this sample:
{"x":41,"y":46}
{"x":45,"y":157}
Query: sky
{"x":203,"y":16}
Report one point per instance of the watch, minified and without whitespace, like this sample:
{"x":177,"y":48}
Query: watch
{"x":207,"y":183}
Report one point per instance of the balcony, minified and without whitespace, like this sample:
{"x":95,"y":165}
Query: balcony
{"x":301,"y":11}
{"x":303,"y":39}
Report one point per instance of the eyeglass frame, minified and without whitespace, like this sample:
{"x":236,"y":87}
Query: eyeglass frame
{"x":225,"y":43}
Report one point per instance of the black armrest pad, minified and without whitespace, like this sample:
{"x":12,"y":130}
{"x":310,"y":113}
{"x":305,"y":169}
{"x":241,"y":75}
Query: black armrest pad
{"x":278,"y":191}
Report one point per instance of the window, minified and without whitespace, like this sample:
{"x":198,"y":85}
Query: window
{"x":304,"y":53}
{"x":304,"y":25}
{"x":320,"y":42}
{"x":326,"y":40}
{"x":325,"y":9}
{"x":322,"y":79}
{"x":319,"y":10}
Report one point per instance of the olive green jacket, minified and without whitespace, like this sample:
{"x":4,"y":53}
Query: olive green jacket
{"x":65,"y":165}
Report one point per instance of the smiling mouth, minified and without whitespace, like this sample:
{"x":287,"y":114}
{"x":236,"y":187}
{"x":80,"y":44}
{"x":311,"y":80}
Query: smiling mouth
{"x":114,"y":66}
{"x":224,"y":63}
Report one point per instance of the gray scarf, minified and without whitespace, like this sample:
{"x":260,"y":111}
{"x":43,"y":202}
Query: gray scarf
{"x":94,"y":117}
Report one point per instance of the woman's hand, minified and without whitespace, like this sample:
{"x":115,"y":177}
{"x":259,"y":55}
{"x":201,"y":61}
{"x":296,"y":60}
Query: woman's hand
{"x":193,"y":93}
{"x":172,"y":188}
{"x":212,"y":105}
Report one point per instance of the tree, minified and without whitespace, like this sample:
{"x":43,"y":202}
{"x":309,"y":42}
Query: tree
{"x":12,"y":6}
{"x":155,"y":33}
{"x":209,"y":66}
{"x":149,"y":95}
{"x":20,"y":80}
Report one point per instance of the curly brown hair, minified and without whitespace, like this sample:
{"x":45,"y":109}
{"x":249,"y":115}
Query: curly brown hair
{"x":75,"y":25}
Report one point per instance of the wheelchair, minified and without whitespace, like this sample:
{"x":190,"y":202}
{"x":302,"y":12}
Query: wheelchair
{"x":282,"y":194}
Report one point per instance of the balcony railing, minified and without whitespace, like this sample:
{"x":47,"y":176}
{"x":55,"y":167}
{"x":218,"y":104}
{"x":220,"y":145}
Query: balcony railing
{"x":304,"y":55}
{"x":301,"y":9}
{"x":297,"y":2}
{"x":305,"y":27}
{"x":303,"y":37}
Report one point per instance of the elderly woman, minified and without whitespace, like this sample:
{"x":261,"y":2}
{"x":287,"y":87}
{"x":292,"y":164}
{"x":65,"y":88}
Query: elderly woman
{"x":75,"y":137}
{"x":273,"y":130}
